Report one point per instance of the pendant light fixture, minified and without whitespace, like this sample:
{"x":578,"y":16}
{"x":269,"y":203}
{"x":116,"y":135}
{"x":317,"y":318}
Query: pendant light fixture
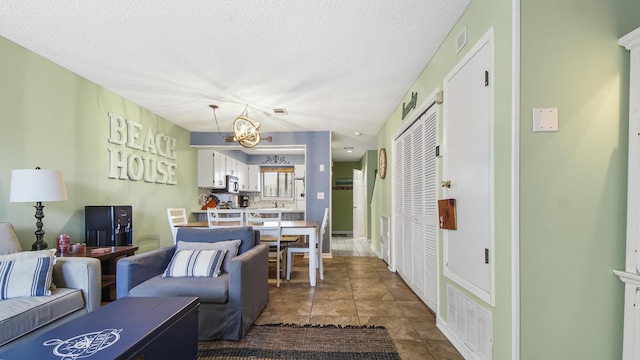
{"x":246,"y":131}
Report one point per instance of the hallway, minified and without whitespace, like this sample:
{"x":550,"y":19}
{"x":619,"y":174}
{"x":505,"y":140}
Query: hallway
{"x":358,"y":290}
{"x":342,"y":245}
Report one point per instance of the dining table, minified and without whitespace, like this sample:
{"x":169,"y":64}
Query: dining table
{"x":293,"y":228}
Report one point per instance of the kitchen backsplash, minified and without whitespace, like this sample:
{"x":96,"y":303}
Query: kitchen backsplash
{"x":255,"y":199}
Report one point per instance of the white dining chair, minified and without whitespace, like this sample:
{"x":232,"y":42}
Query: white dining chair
{"x":177,"y":216}
{"x":269,"y":224}
{"x":304,"y":248}
{"x":218,"y":218}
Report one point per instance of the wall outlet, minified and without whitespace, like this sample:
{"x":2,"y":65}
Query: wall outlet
{"x":320,"y":195}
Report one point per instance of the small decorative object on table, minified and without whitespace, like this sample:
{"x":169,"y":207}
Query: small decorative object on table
{"x":100,"y":250}
{"x":64,"y":245}
{"x":78,"y":248}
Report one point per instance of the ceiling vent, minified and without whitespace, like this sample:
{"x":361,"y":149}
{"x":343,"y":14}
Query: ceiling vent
{"x":280,"y":111}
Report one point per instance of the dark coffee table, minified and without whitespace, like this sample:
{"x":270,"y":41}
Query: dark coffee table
{"x":128,"y":328}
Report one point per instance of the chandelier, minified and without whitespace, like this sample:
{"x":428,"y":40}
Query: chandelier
{"x":246,"y":131}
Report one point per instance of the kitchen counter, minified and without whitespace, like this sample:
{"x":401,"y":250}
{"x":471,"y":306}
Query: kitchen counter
{"x":284,"y":210}
{"x":288,"y":214}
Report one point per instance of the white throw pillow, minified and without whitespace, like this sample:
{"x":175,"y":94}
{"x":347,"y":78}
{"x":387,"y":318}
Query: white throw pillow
{"x":26,"y":277}
{"x":31,"y":255}
{"x":28,"y":254}
{"x":195,"y":263}
{"x":230,"y":245}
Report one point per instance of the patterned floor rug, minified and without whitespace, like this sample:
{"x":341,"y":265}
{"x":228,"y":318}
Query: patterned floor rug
{"x":287,"y":341}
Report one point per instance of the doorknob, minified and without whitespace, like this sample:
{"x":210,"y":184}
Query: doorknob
{"x":446,"y":184}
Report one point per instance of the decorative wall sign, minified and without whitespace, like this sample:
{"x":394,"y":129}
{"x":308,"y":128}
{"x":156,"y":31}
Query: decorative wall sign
{"x":411,"y":105}
{"x":343,"y":184}
{"x":276,"y":159}
{"x":382,"y":163}
{"x":447,"y":214}
{"x":144,"y":154}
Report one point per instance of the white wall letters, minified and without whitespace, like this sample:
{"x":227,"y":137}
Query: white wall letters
{"x":125,"y":165}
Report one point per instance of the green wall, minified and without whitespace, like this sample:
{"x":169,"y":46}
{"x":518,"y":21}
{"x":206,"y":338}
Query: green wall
{"x":342,"y":200}
{"x":57,"y":120}
{"x":480,"y":17}
{"x":574,"y":181}
{"x":572,"y":188}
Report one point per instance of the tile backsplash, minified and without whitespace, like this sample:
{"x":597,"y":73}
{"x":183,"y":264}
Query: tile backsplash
{"x":255,"y":200}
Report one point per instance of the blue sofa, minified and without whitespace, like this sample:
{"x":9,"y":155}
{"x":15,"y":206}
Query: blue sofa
{"x":229,"y":303}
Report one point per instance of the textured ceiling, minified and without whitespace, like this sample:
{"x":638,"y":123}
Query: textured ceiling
{"x":336,"y":65}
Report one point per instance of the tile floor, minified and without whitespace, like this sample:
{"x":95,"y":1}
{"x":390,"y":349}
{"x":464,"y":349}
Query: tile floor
{"x":345,"y":246}
{"x":359,"y":290}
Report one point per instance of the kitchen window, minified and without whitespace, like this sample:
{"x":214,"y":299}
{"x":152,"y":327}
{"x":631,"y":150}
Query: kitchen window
{"x":277,"y":182}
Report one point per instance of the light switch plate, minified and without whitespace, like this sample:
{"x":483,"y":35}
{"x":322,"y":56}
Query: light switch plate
{"x":545,"y":119}
{"x":320,"y":195}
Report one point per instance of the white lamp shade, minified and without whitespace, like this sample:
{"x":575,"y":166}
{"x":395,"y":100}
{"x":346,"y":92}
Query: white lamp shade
{"x":33,"y":185}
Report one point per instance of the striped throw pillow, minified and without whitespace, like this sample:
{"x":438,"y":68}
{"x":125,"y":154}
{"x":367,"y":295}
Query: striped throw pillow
{"x":195,"y":263}
{"x":26,"y":277}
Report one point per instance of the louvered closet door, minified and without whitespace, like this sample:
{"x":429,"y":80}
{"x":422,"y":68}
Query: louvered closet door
{"x":430,"y":206}
{"x":415,"y":207}
{"x":398,"y":206}
{"x":416,"y":194}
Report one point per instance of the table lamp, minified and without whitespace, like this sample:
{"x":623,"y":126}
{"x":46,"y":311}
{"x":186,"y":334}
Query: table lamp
{"x":29,"y":185}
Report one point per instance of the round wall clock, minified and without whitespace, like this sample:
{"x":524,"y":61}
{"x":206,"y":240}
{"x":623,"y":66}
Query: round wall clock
{"x":382,"y":163}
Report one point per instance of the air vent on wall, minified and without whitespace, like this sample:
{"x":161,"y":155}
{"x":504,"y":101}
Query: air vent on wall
{"x":280,"y":111}
{"x":471,"y":323}
{"x":461,"y":40}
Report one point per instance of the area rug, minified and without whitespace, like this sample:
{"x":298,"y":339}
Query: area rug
{"x":287,"y":341}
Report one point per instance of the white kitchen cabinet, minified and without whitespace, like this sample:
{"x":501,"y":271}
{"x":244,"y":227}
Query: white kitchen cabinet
{"x":232,"y":166}
{"x":253,"y":177}
{"x":219,"y":170}
{"x":205,"y":168}
{"x":243,"y":171}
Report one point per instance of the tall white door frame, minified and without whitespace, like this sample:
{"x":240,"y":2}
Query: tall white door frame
{"x":414,"y":199}
{"x":358,"y":205}
{"x":468,"y":162}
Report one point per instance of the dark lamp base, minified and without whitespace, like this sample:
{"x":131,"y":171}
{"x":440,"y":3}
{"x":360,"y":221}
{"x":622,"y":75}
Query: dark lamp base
{"x":39,"y":245}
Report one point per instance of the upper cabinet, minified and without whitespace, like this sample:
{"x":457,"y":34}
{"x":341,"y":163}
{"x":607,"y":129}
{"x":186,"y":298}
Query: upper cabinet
{"x":205,"y":168}
{"x":253,"y":178}
{"x":243,"y":180}
{"x":219,"y":170}
{"x":232,"y":167}
{"x":211,"y":169}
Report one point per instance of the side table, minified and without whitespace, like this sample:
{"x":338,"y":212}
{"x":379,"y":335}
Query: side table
{"x":108,"y":257}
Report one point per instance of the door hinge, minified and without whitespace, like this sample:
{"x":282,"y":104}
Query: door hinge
{"x":486,"y":256}
{"x":486,"y":78}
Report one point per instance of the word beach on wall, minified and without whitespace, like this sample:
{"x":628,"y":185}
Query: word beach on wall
{"x":142,"y":155}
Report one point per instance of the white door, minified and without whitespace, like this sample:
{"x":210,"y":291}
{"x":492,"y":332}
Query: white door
{"x":468,"y":163}
{"x":415,"y":206}
{"x":358,"y":209}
